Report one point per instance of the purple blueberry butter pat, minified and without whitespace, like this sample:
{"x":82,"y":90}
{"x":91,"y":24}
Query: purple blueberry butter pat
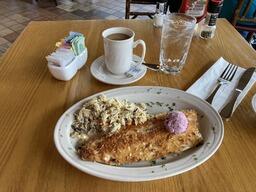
{"x":176,"y":122}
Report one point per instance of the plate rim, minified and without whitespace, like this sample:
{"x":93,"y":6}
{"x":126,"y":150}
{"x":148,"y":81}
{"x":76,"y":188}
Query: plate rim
{"x":114,"y":178}
{"x":254,"y":102}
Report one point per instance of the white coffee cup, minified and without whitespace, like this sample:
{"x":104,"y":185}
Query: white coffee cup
{"x":118,"y":53}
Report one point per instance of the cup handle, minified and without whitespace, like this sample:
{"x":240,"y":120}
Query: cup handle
{"x":142,"y":43}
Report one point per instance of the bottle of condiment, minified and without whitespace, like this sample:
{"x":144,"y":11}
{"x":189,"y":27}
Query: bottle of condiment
{"x":208,"y":26}
{"x":195,"y":8}
{"x":158,"y":19}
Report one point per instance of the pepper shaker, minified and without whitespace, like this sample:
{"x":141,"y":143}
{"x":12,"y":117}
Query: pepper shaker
{"x":208,"y":26}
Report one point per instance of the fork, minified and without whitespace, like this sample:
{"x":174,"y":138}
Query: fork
{"x":226,"y":77}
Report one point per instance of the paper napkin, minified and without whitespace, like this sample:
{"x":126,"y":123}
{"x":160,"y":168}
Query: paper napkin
{"x":206,"y":83}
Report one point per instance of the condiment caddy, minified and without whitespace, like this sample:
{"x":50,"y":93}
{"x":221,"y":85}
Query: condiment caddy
{"x":70,"y":56}
{"x":67,"y":72}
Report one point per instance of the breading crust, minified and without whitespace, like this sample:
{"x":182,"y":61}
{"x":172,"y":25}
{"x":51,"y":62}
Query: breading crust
{"x":148,"y":141}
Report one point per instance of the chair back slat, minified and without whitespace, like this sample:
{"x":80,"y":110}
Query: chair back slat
{"x":238,"y":16}
{"x":247,"y":8}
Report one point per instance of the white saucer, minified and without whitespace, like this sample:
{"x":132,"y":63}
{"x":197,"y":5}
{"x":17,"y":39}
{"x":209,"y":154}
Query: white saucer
{"x":100,"y":72}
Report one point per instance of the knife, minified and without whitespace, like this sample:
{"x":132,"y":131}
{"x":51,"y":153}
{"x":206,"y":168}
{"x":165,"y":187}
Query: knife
{"x":227,"y":111}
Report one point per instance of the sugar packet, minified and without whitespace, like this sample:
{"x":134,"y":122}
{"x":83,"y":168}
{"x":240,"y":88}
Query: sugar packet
{"x":134,"y":71}
{"x":61,"y":57}
{"x":67,"y":49}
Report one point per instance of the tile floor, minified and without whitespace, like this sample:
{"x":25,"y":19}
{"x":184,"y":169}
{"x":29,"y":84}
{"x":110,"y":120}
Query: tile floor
{"x":16,"y":14}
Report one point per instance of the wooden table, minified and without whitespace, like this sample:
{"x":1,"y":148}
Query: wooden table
{"x":32,"y":101}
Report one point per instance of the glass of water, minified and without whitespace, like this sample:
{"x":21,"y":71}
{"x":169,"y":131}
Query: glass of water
{"x":176,"y":37}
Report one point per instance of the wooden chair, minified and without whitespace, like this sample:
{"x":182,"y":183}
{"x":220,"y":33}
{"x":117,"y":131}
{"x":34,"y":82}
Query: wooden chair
{"x":135,"y":14}
{"x":239,"y":16}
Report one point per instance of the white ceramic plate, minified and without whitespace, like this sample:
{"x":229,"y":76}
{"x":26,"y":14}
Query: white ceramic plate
{"x":211,"y":127}
{"x":100,"y":72}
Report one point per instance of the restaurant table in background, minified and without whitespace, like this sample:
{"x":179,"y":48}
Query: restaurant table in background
{"x":32,"y":101}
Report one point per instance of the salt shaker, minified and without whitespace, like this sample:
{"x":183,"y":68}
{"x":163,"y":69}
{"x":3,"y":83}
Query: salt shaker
{"x":161,"y":6}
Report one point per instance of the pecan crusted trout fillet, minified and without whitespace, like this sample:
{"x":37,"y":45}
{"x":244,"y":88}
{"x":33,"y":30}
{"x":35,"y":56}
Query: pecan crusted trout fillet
{"x":148,"y":141}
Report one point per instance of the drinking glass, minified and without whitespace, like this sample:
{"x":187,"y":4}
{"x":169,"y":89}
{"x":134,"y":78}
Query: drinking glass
{"x":176,"y":37}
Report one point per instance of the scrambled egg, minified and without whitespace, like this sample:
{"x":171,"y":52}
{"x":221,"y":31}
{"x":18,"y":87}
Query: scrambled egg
{"x":101,"y":115}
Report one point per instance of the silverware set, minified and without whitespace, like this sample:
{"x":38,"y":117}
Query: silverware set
{"x":225,"y":78}
{"x":227,"y":111}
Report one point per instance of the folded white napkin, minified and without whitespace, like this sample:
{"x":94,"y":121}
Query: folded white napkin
{"x":207,"y":82}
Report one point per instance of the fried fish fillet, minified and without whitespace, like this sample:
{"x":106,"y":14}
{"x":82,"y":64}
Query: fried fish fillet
{"x":148,"y":141}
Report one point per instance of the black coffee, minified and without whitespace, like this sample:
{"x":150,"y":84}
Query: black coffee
{"x":118,"y":36}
